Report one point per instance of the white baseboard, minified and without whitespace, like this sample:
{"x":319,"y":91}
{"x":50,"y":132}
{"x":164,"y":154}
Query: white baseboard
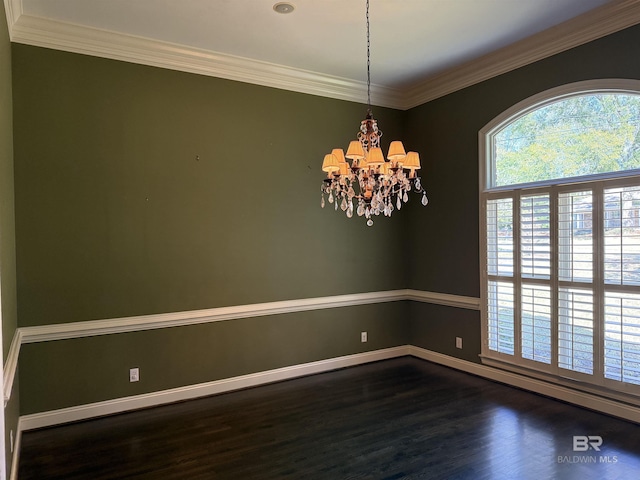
{"x":569,"y":395}
{"x":110,"y":326}
{"x":119,"y":405}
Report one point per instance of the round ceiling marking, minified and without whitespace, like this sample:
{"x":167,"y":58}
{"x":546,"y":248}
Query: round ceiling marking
{"x":283,"y":7}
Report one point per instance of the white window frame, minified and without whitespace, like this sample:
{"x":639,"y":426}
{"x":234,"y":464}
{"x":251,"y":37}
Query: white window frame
{"x":595,"y":383}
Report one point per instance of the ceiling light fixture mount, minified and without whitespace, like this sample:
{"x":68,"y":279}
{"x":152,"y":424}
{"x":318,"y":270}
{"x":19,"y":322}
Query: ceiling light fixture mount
{"x":284,"y":7}
{"x":380,"y":184}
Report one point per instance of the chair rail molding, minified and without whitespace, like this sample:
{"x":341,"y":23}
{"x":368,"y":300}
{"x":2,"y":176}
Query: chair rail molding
{"x":64,"y":331}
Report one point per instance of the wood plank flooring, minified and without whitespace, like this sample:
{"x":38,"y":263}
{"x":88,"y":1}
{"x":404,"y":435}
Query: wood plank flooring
{"x":398,"y":419}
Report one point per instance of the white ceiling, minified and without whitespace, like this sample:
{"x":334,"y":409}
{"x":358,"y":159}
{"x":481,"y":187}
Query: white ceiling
{"x":412,"y":41}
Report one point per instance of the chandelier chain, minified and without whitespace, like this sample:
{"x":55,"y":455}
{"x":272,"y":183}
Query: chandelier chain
{"x":362,"y":181}
{"x":368,"y":61}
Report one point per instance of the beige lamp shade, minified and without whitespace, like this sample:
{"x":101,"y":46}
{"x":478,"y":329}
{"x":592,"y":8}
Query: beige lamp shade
{"x":330,"y":163}
{"x":355,"y":150}
{"x":411,"y":161}
{"x":384,"y":168}
{"x":396,"y":151}
{"x":339,"y":154}
{"x":375,"y":157}
{"x":344,"y":168}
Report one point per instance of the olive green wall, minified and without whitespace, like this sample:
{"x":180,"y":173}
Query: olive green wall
{"x":7,"y":224}
{"x":141,"y":190}
{"x":96,"y":368}
{"x":7,"y":221}
{"x":444,"y":242}
{"x":125,"y":178}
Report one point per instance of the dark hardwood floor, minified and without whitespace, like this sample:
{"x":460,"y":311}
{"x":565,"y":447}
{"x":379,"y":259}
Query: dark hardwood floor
{"x":398,"y":419}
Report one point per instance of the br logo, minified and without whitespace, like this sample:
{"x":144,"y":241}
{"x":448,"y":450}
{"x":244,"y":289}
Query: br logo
{"x":582,"y":443}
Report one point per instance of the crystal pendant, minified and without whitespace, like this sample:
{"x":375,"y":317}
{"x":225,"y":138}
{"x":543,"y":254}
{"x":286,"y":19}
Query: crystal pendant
{"x":322,"y":201}
{"x":336,"y":206}
{"x":350,"y":211}
{"x":405,"y":197}
{"x":425,"y":200}
{"x":399,"y":203}
{"x":360,"y":210}
{"x":343,"y":204}
{"x":418,"y":184}
{"x":369,"y":223}
{"x":331,"y":197}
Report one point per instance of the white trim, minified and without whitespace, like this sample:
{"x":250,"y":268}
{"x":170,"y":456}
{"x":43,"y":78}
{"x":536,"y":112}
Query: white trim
{"x":459,"y":301}
{"x":553,"y":188}
{"x":13,"y":11}
{"x":15,"y":457}
{"x":60,"y":331}
{"x":119,"y":405}
{"x":552,"y":95}
{"x":42,"y":32}
{"x":569,"y":382}
{"x":64,"y":331}
{"x":599,"y":22}
{"x":11,"y":364}
{"x":570,"y":395}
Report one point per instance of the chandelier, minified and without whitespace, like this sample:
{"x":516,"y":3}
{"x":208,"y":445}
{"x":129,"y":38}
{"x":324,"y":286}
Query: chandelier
{"x":363,"y":176}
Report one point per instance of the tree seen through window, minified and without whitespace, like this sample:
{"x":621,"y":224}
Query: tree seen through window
{"x":582,"y":135}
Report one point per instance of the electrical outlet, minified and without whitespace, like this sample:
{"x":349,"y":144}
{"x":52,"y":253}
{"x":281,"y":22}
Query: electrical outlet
{"x":134,"y":374}
{"x":363,"y":337}
{"x":458,"y":342}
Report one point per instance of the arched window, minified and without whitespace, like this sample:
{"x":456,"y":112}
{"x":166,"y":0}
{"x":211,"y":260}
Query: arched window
{"x":560,"y":236}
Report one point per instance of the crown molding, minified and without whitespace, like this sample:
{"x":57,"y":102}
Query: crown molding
{"x":42,"y":32}
{"x":13,"y":10}
{"x":596,"y":23}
